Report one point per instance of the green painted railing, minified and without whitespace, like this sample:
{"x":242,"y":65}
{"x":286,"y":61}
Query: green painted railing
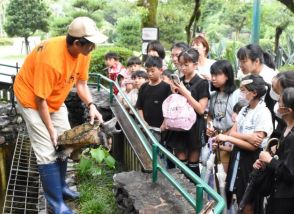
{"x":156,"y":146}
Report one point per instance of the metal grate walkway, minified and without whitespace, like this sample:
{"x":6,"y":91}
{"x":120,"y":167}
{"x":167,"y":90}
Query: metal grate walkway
{"x":23,"y":194}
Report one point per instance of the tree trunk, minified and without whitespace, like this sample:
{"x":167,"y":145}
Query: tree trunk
{"x":151,"y":6}
{"x":27,"y":45}
{"x":194,"y":18}
{"x":279,"y":31}
{"x":289,"y":4}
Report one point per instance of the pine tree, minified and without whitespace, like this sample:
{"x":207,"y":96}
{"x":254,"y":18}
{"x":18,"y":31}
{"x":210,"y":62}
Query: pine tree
{"x":25,"y":17}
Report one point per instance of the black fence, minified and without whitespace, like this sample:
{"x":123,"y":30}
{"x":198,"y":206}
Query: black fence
{"x":7,"y":77}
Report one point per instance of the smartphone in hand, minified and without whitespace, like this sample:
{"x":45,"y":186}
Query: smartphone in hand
{"x":175,"y":78}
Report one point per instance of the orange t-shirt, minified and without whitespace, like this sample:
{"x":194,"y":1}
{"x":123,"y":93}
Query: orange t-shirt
{"x":49,"y":72}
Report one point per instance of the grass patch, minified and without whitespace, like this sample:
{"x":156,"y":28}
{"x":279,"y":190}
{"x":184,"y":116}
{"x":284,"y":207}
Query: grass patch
{"x":96,"y":193}
{"x":96,"y":184}
{"x":6,"y":41}
{"x":15,"y":57}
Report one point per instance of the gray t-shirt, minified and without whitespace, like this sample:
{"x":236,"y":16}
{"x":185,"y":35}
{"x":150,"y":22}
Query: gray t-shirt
{"x":221,"y":108}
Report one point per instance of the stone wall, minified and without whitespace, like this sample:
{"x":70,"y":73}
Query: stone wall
{"x":9,"y":124}
{"x":77,"y":110}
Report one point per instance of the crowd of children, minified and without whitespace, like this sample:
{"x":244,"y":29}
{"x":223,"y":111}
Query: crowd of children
{"x":236,"y":121}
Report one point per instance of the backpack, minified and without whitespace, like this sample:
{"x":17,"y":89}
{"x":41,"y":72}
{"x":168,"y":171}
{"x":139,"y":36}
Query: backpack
{"x":179,"y":115}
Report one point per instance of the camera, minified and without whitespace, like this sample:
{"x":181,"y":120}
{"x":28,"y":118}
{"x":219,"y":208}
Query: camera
{"x":175,"y":78}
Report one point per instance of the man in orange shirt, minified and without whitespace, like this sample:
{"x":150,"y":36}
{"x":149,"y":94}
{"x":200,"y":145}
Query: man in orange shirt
{"x":41,"y":87}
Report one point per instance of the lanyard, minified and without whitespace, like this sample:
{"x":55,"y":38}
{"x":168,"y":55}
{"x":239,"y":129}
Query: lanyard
{"x":222,"y":114}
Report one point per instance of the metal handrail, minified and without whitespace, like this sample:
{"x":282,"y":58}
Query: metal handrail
{"x":11,"y":66}
{"x":201,"y":185}
{"x":13,"y":107}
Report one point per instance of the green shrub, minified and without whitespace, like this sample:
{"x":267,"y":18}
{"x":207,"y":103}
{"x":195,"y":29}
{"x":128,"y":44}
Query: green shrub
{"x":267,"y":45}
{"x":286,"y":68}
{"x":232,"y":48}
{"x":6,"y":41}
{"x":128,"y":33}
{"x":97,"y":63}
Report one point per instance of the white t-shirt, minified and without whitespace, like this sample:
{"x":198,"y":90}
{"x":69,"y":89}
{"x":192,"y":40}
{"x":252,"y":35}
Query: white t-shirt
{"x":258,"y":119}
{"x":267,"y":73}
{"x":132,"y":97}
{"x":205,"y":69}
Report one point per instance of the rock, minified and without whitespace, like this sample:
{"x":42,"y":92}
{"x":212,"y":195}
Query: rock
{"x":2,"y":140}
{"x":135,"y":193}
{"x":4,"y":108}
{"x":3,"y":122}
{"x":17,"y":120}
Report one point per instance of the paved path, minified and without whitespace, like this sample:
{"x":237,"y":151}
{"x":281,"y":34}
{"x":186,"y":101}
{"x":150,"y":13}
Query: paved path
{"x":10,"y":55}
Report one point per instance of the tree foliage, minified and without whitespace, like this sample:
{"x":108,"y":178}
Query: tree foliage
{"x":89,"y":8}
{"x":128,"y":33}
{"x":170,"y":23}
{"x":236,"y":16}
{"x":221,"y":21}
{"x":24,"y":18}
{"x":151,"y":17}
{"x":289,"y":4}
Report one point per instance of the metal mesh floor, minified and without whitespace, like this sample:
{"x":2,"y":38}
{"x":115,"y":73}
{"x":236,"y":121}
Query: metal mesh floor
{"x":23,"y":195}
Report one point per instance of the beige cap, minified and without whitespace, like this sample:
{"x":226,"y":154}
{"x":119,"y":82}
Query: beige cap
{"x":86,"y":28}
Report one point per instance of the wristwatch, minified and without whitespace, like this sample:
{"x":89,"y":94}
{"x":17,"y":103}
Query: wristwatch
{"x":91,"y":103}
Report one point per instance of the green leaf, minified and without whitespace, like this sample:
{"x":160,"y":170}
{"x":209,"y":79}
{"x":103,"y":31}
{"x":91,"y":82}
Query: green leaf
{"x":110,"y":161}
{"x":98,"y":155}
{"x":84,"y":165}
{"x":96,"y":171}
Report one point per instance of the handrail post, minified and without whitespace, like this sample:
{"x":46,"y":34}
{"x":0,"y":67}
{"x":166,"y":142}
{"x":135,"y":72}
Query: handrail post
{"x":154,"y":163}
{"x":17,"y":68}
{"x":199,"y":198}
{"x":111,"y":92}
{"x":98,"y":83}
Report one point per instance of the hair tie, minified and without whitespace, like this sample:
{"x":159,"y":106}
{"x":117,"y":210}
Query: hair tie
{"x":246,"y":82}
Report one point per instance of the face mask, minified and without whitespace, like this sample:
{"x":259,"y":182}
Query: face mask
{"x":274,"y":95}
{"x":242,"y":99}
{"x":283,"y":111}
{"x":277,"y":113}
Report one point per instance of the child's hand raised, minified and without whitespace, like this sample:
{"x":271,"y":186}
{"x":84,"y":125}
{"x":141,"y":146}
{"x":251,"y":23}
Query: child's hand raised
{"x":221,"y":138}
{"x":180,"y":88}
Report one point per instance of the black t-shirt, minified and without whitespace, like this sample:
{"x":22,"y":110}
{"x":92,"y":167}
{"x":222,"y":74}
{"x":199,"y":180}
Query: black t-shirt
{"x":195,"y":137}
{"x":150,"y":99}
{"x":198,"y":87}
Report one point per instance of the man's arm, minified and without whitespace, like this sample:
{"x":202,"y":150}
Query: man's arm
{"x":86,"y":97}
{"x":45,"y":116}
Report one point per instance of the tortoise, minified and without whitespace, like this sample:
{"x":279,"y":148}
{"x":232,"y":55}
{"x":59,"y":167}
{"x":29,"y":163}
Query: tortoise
{"x":71,"y":142}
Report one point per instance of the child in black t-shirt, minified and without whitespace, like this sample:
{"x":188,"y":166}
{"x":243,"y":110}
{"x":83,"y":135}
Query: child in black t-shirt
{"x":152,"y":94}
